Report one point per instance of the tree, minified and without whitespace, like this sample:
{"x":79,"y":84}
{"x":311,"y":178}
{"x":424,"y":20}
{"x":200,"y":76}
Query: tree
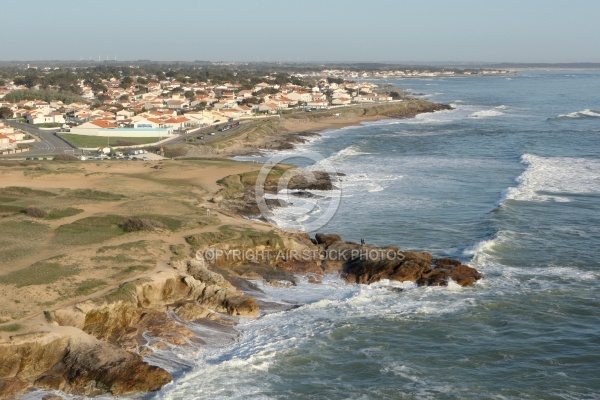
{"x":126,"y":82}
{"x":5,"y":113}
{"x":331,"y":80}
{"x":124,"y":97}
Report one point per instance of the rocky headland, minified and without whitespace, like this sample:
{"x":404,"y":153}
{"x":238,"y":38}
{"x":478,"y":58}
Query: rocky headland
{"x":96,"y":346}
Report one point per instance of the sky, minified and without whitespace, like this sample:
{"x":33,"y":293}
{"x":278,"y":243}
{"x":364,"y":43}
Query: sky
{"x":532,"y":31}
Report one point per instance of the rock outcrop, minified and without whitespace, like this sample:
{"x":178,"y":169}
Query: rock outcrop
{"x":75,"y":363}
{"x":140,"y":306}
{"x":367,"y":264}
{"x":94,"y":347}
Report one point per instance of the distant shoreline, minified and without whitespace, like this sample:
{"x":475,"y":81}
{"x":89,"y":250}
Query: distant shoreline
{"x":283,"y":132}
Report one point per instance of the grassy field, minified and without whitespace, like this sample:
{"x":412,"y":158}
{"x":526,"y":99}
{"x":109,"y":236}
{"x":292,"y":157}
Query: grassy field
{"x":103,"y":224}
{"x":99,"y":141}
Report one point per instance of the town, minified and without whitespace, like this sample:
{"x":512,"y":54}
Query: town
{"x":132,"y":105}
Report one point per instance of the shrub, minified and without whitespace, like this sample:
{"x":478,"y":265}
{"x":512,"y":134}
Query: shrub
{"x":65,"y":157}
{"x":126,"y":143}
{"x":36,"y":212}
{"x":176,"y":151}
{"x":63,"y":213}
{"x":10,"y":328}
{"x":134,"y":225}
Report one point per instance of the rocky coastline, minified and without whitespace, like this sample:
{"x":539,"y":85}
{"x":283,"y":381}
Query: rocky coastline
{"x":97,"y":346}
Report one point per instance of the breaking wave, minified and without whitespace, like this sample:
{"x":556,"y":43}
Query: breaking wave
{"x":587,"y":113}
{"x":555,"y":179}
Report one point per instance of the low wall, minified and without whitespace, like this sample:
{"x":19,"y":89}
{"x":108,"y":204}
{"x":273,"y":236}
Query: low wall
{"x":137,"y":146}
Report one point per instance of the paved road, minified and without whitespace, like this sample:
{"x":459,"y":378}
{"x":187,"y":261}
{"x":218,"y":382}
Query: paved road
{"x":218,"y":136}
{"x":46,"y":141}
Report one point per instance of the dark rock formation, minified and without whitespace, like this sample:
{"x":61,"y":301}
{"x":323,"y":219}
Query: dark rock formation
{"x":368,"y":264}
{"x":327,"y":239}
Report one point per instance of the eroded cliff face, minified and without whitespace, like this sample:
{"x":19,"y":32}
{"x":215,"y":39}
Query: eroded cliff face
{"x":93,"y":347}
{"x":75,"y":363}
{"x":142,"y":305}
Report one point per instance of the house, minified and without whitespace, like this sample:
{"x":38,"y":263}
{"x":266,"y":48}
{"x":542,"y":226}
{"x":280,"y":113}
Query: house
{"x":91,"y":128}
{"x":204,"y":117}
{"x":244,"y":94}
{"x":176,"y":104}
{"x":178,"y":122}
{"x":300,"y":96}
{"x":124,"y":114}
{"x":5,"y":142}
{"x":141,"y":122}
{"x":270,"y":108}
{"x":10,"y":132}
{"x":365,"y":98}
{"x":318,"y":96}
{"x":40,"y":117}
{"x":149,"y":105}
{"x":341,"y":101}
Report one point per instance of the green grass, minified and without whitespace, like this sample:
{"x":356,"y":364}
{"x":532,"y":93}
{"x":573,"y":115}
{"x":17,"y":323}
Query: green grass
{"x":19,"y":238}
{"x":89,"y":286}
{"x":132,"y":269}
{"x":13,"y":253}
{"x":237,"y":237}
{"x":40,"y":273}
{"x":117,"y":259}
{"x":125,"y":292}
{"x":137,"y":245}
{"x":89,"y":194}
{"x":6,"y":209}
{"x":19,"y":192}
{"x":89,"y":230}
{"x":99,"y":141}
{"x":63,"y":213}
{"x":7,"y":199}
{"x":49,"y":125}
{"x":10,"y":328}
{"x":209,"y":238}
{"x":171,"y":223}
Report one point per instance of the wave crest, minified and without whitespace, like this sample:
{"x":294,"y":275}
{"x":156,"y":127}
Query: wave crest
{"x":587,"y":113}
{"x":554,"y":179}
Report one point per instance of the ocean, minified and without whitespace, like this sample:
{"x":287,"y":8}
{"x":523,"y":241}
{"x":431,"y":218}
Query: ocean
{"x":509,"y":183}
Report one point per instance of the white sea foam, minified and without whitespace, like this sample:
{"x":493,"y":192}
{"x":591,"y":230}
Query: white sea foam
{"x":555,"y":179}
{"x":437,"y":117}
{"x":494,"y":112}
{"x":587,"y":113}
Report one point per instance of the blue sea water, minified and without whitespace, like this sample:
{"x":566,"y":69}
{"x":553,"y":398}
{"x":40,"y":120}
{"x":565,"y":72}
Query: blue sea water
{"x":508,"y":182}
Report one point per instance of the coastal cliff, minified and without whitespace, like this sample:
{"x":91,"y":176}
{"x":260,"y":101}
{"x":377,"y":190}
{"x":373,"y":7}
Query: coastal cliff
{"x":94,"y":346}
